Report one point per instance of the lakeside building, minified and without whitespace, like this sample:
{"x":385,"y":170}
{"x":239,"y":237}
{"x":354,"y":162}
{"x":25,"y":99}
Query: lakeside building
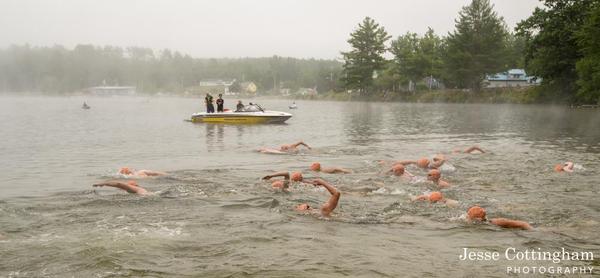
{"x":511,"y":78}
{"x":225,"y":87}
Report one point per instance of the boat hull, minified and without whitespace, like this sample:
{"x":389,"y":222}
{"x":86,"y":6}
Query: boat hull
{"x":242,"y":118}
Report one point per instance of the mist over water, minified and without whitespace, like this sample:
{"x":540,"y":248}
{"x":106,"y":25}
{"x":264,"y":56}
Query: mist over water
{"x":213,"y":216}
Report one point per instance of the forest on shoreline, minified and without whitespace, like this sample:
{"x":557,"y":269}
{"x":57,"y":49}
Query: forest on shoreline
{"x":558,"y":44}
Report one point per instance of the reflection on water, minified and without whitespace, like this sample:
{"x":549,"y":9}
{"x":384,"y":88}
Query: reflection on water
{"x":213,"y":216}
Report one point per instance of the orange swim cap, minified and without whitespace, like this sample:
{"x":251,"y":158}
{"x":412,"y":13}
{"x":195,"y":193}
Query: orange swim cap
{"x":434,"y":174}
{"x":398,"y":170}
{"x":558,"y":168}
{"x":315,"y":166}
{"x":132,"y":183}
{"x":476,"y":213}
{"x":423,"y":162}
{"x":435,"y":197}
{"x":296,"y":176}
{"x":125,"y":171}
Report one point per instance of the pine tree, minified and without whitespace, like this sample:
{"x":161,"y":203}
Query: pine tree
{"x":366,"y":56}
{"x":477,"y":46}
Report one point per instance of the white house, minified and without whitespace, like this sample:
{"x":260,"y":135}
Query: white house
{"x":511,"y":78}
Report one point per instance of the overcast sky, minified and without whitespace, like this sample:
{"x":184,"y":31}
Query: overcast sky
{"x":228,"y":28}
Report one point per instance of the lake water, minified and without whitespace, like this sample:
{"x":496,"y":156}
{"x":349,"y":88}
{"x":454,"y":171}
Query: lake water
{"x":213,"y":216}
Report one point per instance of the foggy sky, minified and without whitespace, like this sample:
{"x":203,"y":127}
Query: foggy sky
{"x":228,"y":28}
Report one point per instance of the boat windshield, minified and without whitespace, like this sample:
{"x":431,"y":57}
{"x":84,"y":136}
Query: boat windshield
{"x":253,"y":108}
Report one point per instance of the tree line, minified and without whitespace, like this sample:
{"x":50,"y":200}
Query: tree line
{"x":60,"y":70}
{"x":559,"y":43}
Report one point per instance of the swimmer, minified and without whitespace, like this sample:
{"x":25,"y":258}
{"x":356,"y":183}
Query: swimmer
{"x":140,"y":173}
{"x":330,"y":170}
{"x":477,"y":213}
{"x":469,"y":150}
{"x":293,"y":147}
{"x":130,"y":186}
{"x":436,"y":177}
{"x":284,"y":184}
{"x":424,"y":162}
{"x":435,"y":197}
{"x":566,"y":167}
{"x":327,"y":207}
{"x":290,"y":148}
{"x":398,"y":170}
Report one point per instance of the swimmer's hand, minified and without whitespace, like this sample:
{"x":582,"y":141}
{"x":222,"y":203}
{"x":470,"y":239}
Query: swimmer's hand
{"x":267,"y":177}
{"x":317,"y":182}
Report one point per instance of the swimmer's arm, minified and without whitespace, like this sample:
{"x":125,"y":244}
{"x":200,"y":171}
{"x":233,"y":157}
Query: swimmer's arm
{"x":404,"y":162}
{"x":342,"y":170}
{"x":332,"y":203}
{"x":303,"y":144}
{"x":152,"y":173}
{"x":474,"y":148}
{"x":443,"y":184}
{"x":334,"y":170}
{"x":508,"y":223}
{"x":286,"y":175}
{"x":117,"y":184}
{"x":420,"y":198}
{"x":270,"y":151}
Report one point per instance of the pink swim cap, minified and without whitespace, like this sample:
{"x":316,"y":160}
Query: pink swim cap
{"x":315,"y":166}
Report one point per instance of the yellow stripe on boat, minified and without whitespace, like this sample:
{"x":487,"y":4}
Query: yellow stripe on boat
{"x":234,"y":120}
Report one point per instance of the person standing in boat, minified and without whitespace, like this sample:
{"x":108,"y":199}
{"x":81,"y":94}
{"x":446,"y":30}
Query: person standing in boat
{"x":220,"y":103}
{"x":210,"y":108}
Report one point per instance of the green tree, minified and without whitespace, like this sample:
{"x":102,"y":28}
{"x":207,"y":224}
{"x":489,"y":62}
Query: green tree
{"x":406,"y":52}
{"x":588,"y":67}
{"x":476,"y":47}
{"x":417,"y":57}
{"x":366,"y":57}
{"x":551,"y":45}
{"x":515,"y":48}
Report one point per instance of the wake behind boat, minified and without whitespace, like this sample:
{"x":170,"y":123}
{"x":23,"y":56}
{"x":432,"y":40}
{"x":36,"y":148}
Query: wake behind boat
{"x":251,"y":114}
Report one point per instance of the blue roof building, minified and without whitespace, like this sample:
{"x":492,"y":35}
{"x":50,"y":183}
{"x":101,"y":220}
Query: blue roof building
{"x":511,"y":78}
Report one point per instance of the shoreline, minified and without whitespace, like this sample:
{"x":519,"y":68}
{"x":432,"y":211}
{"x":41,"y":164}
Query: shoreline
{"x":521,"y":95}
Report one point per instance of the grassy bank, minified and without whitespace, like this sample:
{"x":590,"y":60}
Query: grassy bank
{"x":504,"y":95}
